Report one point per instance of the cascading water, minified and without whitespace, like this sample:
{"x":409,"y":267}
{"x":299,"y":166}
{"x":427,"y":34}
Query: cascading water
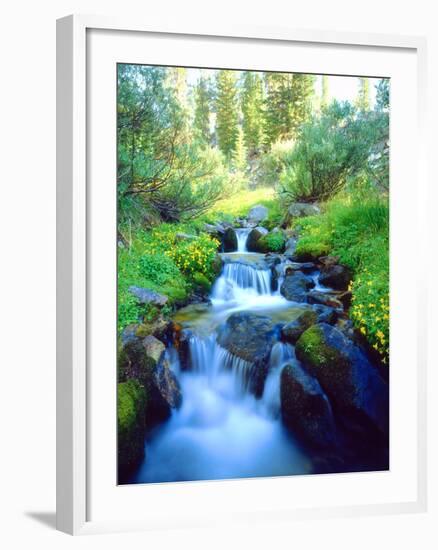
{"x":242,"y":238}
{"x":221,"y":430}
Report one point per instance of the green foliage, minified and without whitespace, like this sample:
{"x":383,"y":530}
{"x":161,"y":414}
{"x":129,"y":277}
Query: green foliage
{"x":287,"y":104}
{"x":252,"y":110}
{"x":202,"y":109}
{"x":273,"y":162}
{"x":199,"y":179}
{"x":382,"y":95}
{"x":325,"y":93}
{"x":240,"y":203}
{"x":159,"y":260}
{"x":363,"y":101}
{"x":239,"y":155}
{"x":227,"y":117}
{"x":356,"y":228}
{"x":331,"y":150}
{"x":272,"y":242}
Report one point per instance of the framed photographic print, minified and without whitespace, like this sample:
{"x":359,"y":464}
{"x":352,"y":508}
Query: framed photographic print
{"x":238,"y":335}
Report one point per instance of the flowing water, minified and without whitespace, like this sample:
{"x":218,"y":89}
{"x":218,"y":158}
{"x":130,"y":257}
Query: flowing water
{"x":221,"y":430}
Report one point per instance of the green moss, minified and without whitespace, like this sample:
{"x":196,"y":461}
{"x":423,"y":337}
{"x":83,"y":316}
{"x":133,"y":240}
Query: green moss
{"x":131,"y":405}
{"x":272,"y":242}
{"x":201,"y":282}
{"x":312,"y":350}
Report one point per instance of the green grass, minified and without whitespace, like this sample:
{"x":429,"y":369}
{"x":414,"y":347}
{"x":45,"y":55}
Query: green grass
{"x":241,"y":202}
{"x":356,"y":230}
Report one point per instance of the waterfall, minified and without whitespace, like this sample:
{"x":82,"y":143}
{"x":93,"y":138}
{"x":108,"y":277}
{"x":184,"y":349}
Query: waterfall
{"x":281,"y":354}
{"x":242,"y":237}
{"x":239,"y":281}
{"x":208,"y":358}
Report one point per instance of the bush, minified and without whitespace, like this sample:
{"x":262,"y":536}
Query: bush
{"x":331,"y":150}
{"x":272,"y":163}
{"x":357,"y":230}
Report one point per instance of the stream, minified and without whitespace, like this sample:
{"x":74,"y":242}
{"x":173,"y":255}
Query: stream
{"x":221,"y":430}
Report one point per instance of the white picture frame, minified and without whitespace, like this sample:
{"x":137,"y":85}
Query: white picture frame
{"x":74,"y":220}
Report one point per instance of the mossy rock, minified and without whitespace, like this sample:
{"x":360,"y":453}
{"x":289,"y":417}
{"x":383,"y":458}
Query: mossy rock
{"x":272,"y":242}
{"x":131,"y":406}
{"x":353,"y":385}
{"x":201,"y":282}
{"x":293,"y":330}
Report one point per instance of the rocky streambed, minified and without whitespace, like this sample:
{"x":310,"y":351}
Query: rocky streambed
{"x":267,"y":377}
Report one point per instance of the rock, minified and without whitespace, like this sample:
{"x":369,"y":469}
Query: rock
{"x":324,"y":298}
{"x":293,"y":330}
{"x":290,"y":246}
{"x":229,"y":240}
{"x":147,"y":296}
{"x":253,"y":236}
{"x":345,"y":298}
{"x":335,"y":276}
{"x":251,"y":338}
{"x":131,"y":426}
{"x":325,"y":314}
{"x":144,"y":360}
{"x":214,"y":230}
{"x":185,"y":237}
{"x":182,"y":345}
{"x":305,"y":409}
{"x":354,"y":386}
{"x":258,"y":213}
{"x":154,"y":348}
{"x":305,"y":267}
{"x":299,"y":210}
{"x":295,"y":287}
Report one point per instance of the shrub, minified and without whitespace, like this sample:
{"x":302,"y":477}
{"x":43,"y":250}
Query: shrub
{"x":195,"y":256}
{"x":331,"y":149}
{"x":272,"y":163}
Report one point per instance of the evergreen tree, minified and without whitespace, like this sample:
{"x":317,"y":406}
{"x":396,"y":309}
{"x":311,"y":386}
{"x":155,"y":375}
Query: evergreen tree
{"x":302,"y":97}
{"x":239,"y":156}
{"x":363,"y":101}
{"x":227,"y":117}
{"x":202,"y":109}
{"x":288,"y":104}
{"x":382,"y":94}
{"x":325,"y":93}
{"x":252,"y":110}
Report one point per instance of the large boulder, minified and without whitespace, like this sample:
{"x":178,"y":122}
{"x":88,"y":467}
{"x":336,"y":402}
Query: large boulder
{"x":305,"y":409}
{"x":253,"y":237}
{"x":295,"y":287}
{"x":131,"y":426}
{"x":325,"y":314}
{"x":293,"y":330}
{"x":258,"y":213}
{"x":162,"y":386}
{"x":144,"y":360}
{"x":148,"y":296}
{"x":299,"y":210}
{"x":249,"y":337}
{"x":335,"y":276}
{"x":354,"y":386}
{"x":325,"y":299}
{"x":229,"y":240}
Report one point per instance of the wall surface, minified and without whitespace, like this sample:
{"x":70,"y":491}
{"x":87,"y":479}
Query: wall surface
{"x":27,"y":305}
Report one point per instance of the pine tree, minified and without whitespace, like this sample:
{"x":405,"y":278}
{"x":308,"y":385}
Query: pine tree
{"x":239,"y":156}
{"x":325,"y":92}
{"x":202,"y":109}
{"x":227,"y":117}
{"x":288,"y":104}
{"x":252,"y":110}
{"x":302,"y":96}
{"x":382,"y":94}
{"x":363,"y":101}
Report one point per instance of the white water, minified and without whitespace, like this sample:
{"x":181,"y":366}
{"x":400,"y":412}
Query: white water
{"x":221,"y":430}
{"x":242,"y":237}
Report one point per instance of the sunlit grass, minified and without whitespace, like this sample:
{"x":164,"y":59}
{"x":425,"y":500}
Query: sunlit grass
{"x":242,"y":201}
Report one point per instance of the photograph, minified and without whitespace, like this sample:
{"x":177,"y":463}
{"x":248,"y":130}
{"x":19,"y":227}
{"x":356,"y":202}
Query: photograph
{"x":253,"y":303}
